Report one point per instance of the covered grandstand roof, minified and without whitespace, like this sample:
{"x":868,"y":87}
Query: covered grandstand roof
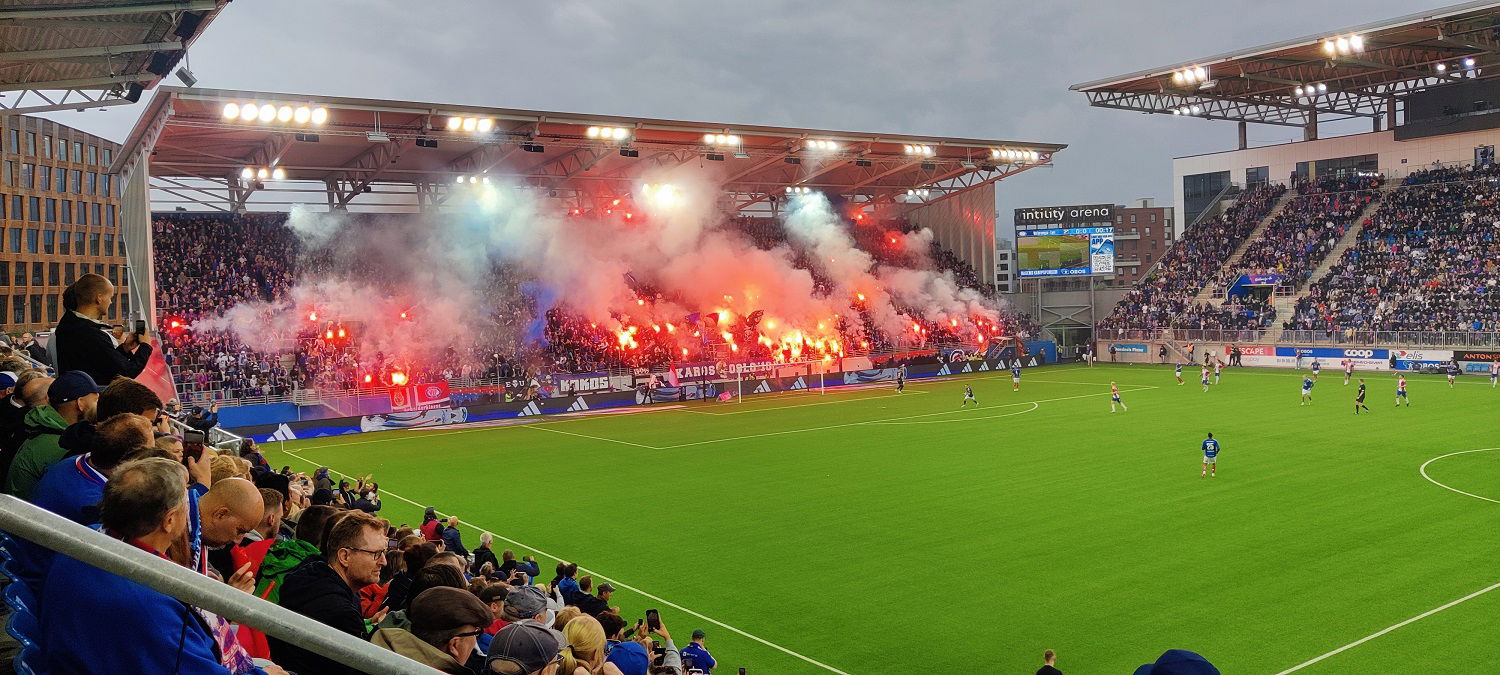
{"x":200,"y":145}
{"x":75,"y":54}
{"x":1293,"y":81}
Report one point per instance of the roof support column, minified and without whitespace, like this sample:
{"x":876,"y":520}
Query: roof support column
{"x":1390,"y":113}
{"x":1310,"y":129}
{"x":1243,"y":140}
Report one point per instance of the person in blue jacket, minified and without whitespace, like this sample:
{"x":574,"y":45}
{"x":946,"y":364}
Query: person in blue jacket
{"x":93,"y":620}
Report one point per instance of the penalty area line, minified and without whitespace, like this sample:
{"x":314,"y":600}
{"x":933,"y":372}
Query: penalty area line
{"x":615,"y":582}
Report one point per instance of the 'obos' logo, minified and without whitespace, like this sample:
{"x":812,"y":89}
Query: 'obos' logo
{"x":1358,"y":353}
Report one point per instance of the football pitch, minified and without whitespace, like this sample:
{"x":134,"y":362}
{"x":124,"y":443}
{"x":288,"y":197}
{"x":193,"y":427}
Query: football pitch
{"x":862,"y":531}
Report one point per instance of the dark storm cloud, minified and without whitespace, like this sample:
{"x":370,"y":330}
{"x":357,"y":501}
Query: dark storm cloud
{"x":953,"y":68}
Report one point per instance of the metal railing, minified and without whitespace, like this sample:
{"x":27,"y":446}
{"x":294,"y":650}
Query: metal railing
{"x":1307,"y":337}
{"x":68,"y":538}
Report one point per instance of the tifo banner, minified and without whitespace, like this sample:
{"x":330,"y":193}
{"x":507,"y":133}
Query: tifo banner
{"x":412,"y":420}
{"x":419,"y":396}
{"x":583,"y":383}
{"x":1124,"y":347}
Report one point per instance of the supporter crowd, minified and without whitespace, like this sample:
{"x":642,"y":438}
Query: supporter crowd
{"x":232,"y":258}
{"x":1427,"y":261}
{"x":1302,"y":235}
{"x":1165,"y":299}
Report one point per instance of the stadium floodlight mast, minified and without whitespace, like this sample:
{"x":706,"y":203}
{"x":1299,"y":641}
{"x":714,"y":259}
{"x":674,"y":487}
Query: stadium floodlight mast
{"x":730,"y":140}
{"x":608,"y":133}
{"x":819,"y":144}
{"x":923,"y":150}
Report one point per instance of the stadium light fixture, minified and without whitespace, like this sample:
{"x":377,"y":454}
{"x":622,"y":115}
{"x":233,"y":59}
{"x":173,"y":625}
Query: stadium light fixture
{"x":820,"y":144}
{"x":263,"y":173}
{"x":1197,"y":109}
{"x":1322,"y":87}
{"x":608,"y":133}
{"x":1441,"y":67}
{"x":247,"y":173}
{"x":1468,"y":62}
{"x":302,"y":115}
{"x":728,"y":140}
{"x":231,"y":111}
{"x":1356,"y":43}
{"x":454,"y":123}
{"x":923,"y":150}
{"x":278,"y":173}
{"x":267,"y":112}
{"x":284,"y":114}
{"x":249,"y":111}
{"x":319,"y":116}
{"x":1342,"y":45}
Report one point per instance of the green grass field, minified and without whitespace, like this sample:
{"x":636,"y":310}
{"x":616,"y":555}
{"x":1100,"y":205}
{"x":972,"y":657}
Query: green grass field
{"x":883,"y":533}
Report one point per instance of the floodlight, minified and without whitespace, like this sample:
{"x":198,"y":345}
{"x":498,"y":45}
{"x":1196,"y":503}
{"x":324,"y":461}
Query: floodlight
{"x":454,"y":123}
{"x":485,"y":125}
{"x":262,"y":173}
{"x":460,"y":180}
{"x":278,"y":173}
{"x":319,"y":115}
{"x":1342,"y":45}
{"x":284,"y":113}
{"x":1356,"y":43}
{"x":1441,"y":67}
{"x":249,"y":112}
{"x":708,"y":139}
{"x":593,"y":132}
{"x":231,"y":111}
{"x":1329,"y":47}
{"x":1201,"y":73}
{"x":1322,"y":87}
{"x":302,"y":115}
{"x":1176,"y":77}
{"x":1297,"y":91}
{"x":621,"y":133}
{"x":247,"y":173}
{"x":1469,"y":62}
{"x":470,"y":123}
{"x":267,"y":112}
{"x":1197,"y":109}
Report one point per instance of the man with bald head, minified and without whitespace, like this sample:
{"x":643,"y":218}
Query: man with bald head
{"x":84,"y":341}
{"x":229,"y":509}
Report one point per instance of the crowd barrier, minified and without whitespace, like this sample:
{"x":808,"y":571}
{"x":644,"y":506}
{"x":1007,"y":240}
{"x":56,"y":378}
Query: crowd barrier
{"x":931,"y":364}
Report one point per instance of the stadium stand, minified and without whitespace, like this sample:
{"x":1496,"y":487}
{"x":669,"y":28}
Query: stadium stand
{"x":1427,"y":261}
{"x":1165,"y":298}
{"x":207,"y":263}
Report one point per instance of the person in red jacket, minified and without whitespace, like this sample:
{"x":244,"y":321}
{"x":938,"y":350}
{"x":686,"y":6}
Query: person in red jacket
{"x":432,"y":528}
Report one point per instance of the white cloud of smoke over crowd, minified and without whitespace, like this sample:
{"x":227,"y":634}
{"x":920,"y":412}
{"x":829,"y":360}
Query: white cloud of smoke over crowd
{"x":676,"y":259}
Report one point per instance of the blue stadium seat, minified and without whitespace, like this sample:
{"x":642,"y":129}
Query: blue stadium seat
{"x":29,"y":662}
{"x":23,"y":627}
{"x":20,"y":597}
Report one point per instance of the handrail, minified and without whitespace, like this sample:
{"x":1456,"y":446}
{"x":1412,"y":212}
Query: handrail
{"x":117,"y":557}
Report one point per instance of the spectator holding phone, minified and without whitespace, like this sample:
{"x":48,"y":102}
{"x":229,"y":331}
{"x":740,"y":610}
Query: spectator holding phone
{"x":84,"y":341}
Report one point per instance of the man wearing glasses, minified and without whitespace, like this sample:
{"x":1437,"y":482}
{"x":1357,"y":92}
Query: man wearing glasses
{"x":325,"y":589}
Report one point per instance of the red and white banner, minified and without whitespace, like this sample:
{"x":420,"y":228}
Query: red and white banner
{"x":419,"y":396}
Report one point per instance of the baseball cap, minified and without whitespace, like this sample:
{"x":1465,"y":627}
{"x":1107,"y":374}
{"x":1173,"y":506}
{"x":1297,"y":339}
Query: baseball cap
{"x":7,"y":379}
{"x":522,"y":648}
{"x":71,"y":386}
{"x":524,"y":602}
{"x":698,"y":634}
{"x":630,"y":657}
{"x":606,"y":587}
{"x":1178,"y":662}
{"x":444,"y":609}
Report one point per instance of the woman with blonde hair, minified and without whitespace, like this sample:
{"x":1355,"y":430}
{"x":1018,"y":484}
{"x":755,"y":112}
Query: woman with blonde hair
{"x":564,"y":616}
{"x":585,"y":651}
{"x":228,"y":466}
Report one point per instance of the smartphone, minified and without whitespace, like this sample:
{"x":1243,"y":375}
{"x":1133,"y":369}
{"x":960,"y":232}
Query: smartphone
{"x":653,"y":619}
{"x":140,"y":326}
{"x":192,"y":444}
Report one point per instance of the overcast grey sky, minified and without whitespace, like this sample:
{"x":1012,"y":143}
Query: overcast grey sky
{"x":980,"y":68}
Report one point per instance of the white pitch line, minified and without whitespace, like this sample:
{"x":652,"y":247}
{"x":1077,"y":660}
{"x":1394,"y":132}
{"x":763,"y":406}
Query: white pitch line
{"x":1390,"y":628}
{"x":890,"y":419}
{"x":612,"y":581}
{"x":1423,"y":471}
{"x":806,"y":405}
{"x":597,"y":438}
{"x":1033,"y":408}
